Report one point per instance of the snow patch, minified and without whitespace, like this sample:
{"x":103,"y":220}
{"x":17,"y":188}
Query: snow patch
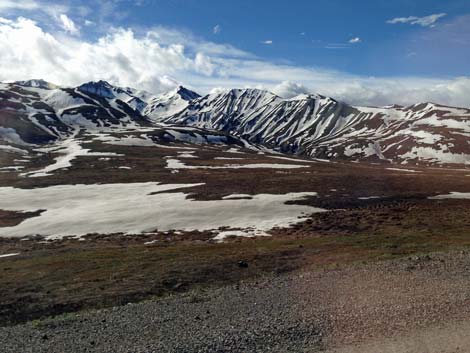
{"x":10,"y":255}
{"x":234,"y":150}
{"x":186,"y":154}
{"x":176,"y":164}
{"x":432,"y":155}
{"x":236,"y":196}
{"x":404,"y":170}
{"x":70,"y":150}
{"x":12,"y":149}
{"x":228,"y":158}
{"x":247,"y":233}
{"x":452,"y":195}
{"x":77,"y":210}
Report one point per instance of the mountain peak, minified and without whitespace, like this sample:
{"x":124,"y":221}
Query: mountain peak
{"x":186,"y":94}
{"x":99,"y":88}
{"x":36,"y":83}
{"x":248,"y":92}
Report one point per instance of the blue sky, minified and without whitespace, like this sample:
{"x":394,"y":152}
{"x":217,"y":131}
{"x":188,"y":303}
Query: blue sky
{"x":302,"y":31}
{"x":370,"y":51}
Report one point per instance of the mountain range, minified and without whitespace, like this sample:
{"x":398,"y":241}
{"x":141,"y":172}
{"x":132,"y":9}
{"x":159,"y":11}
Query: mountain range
{"x":36,"y":112}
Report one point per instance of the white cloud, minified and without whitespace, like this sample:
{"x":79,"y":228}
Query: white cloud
{"x":267,"y":42}
{"x":405,"y":91}
{"x":287,"y":89}
{"x":34,"y":7}
{"x":203,"y":64}
{"x":216,"y":90}
{"x":217,"y":29}
{"x":159,"y":59}
{"x":167,"y":36}
{"x":67,"y":24}
{"x":119,"y":57}
{"x":425,"y":21}
{"x":355,"y":40}
{"x":18,"y":5}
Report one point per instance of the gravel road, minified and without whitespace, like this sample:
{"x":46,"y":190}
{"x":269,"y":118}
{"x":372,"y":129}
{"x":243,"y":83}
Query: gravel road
{"x":393,"y":306}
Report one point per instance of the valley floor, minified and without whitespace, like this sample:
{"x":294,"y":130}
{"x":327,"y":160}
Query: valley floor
{"x":354,"y":257}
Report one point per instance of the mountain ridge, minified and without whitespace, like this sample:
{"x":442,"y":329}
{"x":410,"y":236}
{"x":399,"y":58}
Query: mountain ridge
{"x":311,"y":125}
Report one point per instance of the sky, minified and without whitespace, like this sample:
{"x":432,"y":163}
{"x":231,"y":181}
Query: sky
{"x":368,"y":52}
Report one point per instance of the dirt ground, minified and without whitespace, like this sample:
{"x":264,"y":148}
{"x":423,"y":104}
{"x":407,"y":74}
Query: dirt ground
{"x":450,"y":338}
{"x":412,"y":304}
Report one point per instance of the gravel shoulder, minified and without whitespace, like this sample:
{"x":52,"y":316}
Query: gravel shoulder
{"x":448,"y":338}
{"x":417,"y":304}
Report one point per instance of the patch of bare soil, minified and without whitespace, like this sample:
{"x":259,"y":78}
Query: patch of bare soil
{"x":12,"y":218}
{"x":416,"y":305}
{"x":439,"y":338}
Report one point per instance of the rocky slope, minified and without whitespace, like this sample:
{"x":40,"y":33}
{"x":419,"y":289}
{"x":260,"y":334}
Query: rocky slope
{"x":36,"y":112}
{"x":322,"y":127}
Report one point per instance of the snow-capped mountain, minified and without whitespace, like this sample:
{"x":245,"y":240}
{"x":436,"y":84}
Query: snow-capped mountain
{"x":155,"y":107}
{"x":322,"y":127}
{"x":36,"y":84}
{"x":36,"y":111}
{"x":41,"y":112}
{"x":168,"y":104}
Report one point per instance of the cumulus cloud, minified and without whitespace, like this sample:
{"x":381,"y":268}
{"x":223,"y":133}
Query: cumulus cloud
{"x":160,"y":59}
{"x":203,"y":64}
{"x":287,"y":89}
{"x":67,"y":24}
{"x":425,"y":21}
{"x":119,"y":57}
{"x":216,"y":29}
{"x":267,"y":42}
